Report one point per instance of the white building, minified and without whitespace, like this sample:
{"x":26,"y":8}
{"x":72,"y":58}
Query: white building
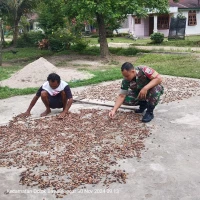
{"x":142,"y":27}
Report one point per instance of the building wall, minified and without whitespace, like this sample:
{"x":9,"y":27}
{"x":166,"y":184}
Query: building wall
{"x":165,"y":32}
{"x":146,"y":27}
{"x":139,"y":29}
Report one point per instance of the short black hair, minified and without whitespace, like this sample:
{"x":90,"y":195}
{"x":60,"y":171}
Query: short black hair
{"x":53,"y":77}
{"x":127,"y":66}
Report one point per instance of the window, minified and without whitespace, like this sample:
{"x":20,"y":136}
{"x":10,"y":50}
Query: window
{"x":163,"y":22}
{"x":137,"y":20}
{"x":192,"y":18}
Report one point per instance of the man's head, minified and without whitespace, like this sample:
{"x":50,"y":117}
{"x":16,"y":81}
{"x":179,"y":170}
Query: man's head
{"x":54,"y":80}
{"x":128,"y":71}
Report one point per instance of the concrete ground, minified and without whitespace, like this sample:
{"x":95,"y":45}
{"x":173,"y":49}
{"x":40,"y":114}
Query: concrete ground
{"x":168,"y":169}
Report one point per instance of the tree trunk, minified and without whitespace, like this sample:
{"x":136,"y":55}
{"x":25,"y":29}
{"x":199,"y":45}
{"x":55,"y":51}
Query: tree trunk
{"x":16,"y":31}
{"x":102,"y":36}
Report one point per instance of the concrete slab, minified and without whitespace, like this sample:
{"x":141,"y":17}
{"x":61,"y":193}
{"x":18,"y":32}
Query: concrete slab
{"x":168,"y":169}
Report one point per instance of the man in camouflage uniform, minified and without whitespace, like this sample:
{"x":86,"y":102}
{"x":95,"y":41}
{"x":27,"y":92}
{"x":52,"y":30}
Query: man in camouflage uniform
{"x":140,"y":86}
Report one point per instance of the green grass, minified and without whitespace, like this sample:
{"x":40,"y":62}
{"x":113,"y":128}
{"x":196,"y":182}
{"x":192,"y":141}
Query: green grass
{"x":99,"y":76}
{"x":190,"y":41}
{"x":6,"y":72}
{"x":174,"y":65}
{"x":110,"y":74}
{"x":186,"y":65}
{"x":25,"y":53}
{"x":116,"y":51}
{"x":6,"y":92}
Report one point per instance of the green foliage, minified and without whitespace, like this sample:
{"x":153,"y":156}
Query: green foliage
{"x":30,"y":39}
{"x":79,"y":45}
{"x":157,"y":38}
{"x":51,"y":16}
{"x":60,"y":40}
{"x":91,"y":51}
{"x":124,"y":52}
{"x":15,"y":10}
{"x":107,"y":12}
{"x":115,"y":51}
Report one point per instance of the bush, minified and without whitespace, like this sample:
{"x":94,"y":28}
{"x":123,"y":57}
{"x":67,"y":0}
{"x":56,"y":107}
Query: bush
{"x":157,"y":38}
{"x":124,"y":52}
{"x":79,"y":45}
{"x":29,"y":39}
{"x":94,"y":36}
{"x":95,"y":51}
{"x":60,"y":41}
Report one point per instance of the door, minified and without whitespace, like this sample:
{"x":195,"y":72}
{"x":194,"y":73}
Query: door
{"x":151,"y":24}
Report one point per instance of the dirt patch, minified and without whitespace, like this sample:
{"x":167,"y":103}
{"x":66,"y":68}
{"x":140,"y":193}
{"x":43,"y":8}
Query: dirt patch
{"x":35,"y":74}
{"x":91,"y":62}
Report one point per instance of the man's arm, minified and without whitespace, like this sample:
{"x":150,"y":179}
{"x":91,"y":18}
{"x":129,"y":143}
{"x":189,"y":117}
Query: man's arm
{"x":28,"y":111}
{"x":154,"y":81}
{"x":69,"y":103}
{"x":120,"y":99}
{"x":118,"y":103}
{"x":155,"y":78}
{"x":67,"y":97}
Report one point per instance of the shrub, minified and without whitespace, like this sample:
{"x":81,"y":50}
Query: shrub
{"x":91,"y":51}
{"x":29,"y":39}
{"x":79,"y":45}
{"x":60,"y":41}
{"x":125,"y":52}
{"x":94,"y":36}
{"x":157,"y":38}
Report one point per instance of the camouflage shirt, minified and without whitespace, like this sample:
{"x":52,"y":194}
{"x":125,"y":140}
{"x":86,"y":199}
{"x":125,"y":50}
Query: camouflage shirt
{"x":144,"y":75}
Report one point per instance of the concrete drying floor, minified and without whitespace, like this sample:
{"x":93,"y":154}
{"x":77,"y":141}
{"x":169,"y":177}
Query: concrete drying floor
{"x":168,"y":170}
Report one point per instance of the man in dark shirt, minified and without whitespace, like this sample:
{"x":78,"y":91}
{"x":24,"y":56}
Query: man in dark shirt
{"x":54,"y":93}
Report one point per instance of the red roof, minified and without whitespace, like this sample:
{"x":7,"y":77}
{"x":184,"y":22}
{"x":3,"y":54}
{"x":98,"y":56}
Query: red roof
{"x":185,"y":4}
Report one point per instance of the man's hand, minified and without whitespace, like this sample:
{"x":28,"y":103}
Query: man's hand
{"x":143,"y":93}
{"x":26,"y":114}
{"x":111,"y":113}
{"x":62,"y":115}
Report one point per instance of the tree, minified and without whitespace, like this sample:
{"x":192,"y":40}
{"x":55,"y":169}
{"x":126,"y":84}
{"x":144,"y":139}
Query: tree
{"x":51,"y":16}
{"x":103,"y":10}
{"x":3,"y":10}
{"x":16,"y":9}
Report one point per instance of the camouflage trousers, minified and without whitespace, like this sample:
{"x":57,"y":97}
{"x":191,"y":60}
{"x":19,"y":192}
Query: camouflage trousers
{"x":153,"y":96}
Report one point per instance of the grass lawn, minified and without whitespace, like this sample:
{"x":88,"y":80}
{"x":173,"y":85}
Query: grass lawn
{"x":25,"y":54}
{"x":175,"y":65}
{"x":185,"y":65}
{"x":190,"y":41}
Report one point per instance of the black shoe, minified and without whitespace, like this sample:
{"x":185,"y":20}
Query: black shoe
{"x":142,"y":108}
{"x":147,"y":117}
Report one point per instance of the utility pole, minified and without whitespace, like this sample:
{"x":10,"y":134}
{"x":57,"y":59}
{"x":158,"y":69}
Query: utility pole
{"x":1,"y":38}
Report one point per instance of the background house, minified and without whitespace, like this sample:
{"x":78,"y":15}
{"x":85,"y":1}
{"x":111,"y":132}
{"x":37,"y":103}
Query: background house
{"x":143,"y":27}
